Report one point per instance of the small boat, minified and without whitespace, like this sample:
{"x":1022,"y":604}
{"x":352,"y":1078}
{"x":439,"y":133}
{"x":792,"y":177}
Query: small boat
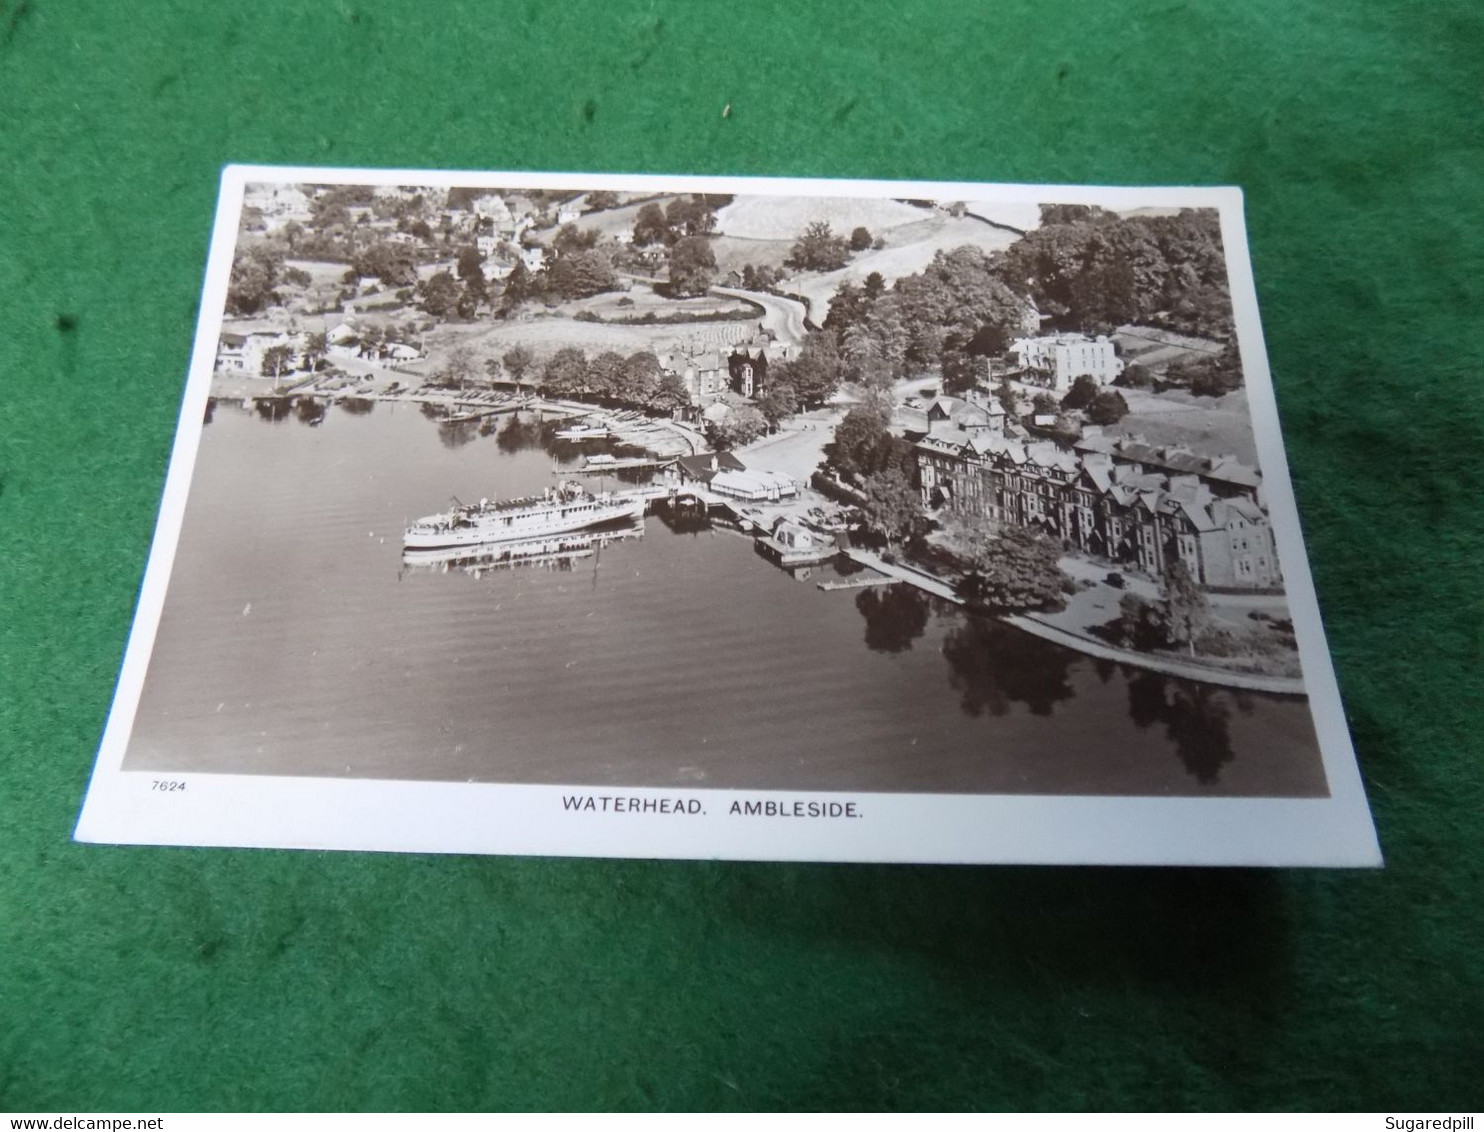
{"x":583,"y":431}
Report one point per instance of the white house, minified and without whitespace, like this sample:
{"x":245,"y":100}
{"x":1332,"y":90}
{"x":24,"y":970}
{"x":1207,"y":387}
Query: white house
{"x":569,"y":212}
{"x":278,"y":203}
{"x":534,"y":258}
{"x":243,"y":352}
{"x":1057,"y":360}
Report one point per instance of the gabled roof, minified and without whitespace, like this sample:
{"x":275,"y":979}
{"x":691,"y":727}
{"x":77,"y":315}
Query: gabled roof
{"x":1228,"y":469}
{"x":699,"y":466}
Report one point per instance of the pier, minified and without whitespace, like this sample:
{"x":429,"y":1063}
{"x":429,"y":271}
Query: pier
{"x":618,"y":464}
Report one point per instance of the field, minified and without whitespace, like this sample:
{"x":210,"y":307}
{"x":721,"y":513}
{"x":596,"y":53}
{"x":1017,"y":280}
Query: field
{"x":1156,"y":349}
{"x":544,"y":336}
{"x":909,"y":249}
{"x":785,"y":218}
{"x":1209,"y":425}
{"x":643,"y":300}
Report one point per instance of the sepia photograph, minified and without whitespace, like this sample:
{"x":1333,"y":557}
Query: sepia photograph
{"x":705,"y":496}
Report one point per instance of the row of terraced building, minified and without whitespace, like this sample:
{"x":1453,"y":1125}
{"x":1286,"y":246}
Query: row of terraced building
{"x":1121,"y":499}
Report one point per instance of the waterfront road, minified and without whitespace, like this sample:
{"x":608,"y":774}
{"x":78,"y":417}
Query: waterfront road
{"x":784,"y":317}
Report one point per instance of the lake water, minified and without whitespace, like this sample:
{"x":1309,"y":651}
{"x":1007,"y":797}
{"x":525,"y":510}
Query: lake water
{"x":295,"y":641}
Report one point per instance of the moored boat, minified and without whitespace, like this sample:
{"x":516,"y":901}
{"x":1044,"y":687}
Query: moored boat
{"x":568,"y":508}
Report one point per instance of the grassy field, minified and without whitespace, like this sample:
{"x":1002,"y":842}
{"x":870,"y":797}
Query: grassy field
{"x":909,"y":249}
{"x":643,"y":300}
{"x":1156,"y":349}
{"x":785,"y":218}
{"x":734,"y":252}
{"x":609,"y":222}
{"x":1209,"y":425}
{"x":544,"y":336}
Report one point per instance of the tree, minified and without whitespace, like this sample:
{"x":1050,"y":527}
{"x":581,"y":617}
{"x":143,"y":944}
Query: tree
{"x":1081,"y":395}
{"x":819,"y":249}
{"x":874,"y":286}
{"x":565,"y":373}
{"x":860,"y":239}
{"x":862,"y":445}
{"x":1017,"y":571}
{"x":602,"y":200}
{"x":316,"y":346}
{"x":848,"y":308}
{"x":439,"y":295}
{"x":740,"y":427}
{"x":517,"y":360}
{"x":471,"y":294}
{"x":959,"y":368}
{"x":891,"y":504}
{"x":571,"y":238}
{"x":777,"y":402}
{"x":864,"y":359}
{"x":650,"y":226}
{"x":1212,"y":376}
{"x":1009,"y":400}
{"x":1044,"y":403}
{"x":520,"y":285}
{"x":394,"y":264}
{"x":1135,"y":375}
{"x":255,"y":272}
{"x":689,"y":216}
{"x":671,"y":396}
{"x":815,"y":373}
{"x":470,"y":264}
{"x":1107,"y":408}
{"x":606,"y":377}
{"x":276,"y":359}
{"x":643,"y":378}
{"x":460,"y":366}
{"x":580,"y":275}
{"x":692,"y":266}
{"x":1140,"y":623}
{"x":1185,"y":610}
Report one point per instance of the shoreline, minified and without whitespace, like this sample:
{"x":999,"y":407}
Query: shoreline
{"x":1029,"y":623}
{"x":494,"y":402}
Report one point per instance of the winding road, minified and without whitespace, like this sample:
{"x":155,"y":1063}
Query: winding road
{"x":784,"y":317}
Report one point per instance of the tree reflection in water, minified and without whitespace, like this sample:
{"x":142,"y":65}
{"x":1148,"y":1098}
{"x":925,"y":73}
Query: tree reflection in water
{"x":1196,"y":717}
{"x":456,"y":434}
{"x":994,"y":666}
{"x":309,"y":411}
{"x":358,"y":406}
{"x":518,"y":435}
{"x":273,"y":409}
{"x":895,"y":616}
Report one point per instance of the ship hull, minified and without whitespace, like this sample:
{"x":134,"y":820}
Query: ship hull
{"x":520,"y":526}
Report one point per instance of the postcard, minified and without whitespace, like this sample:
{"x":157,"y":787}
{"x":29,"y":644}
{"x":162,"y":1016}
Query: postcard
{"x":717,"y":517}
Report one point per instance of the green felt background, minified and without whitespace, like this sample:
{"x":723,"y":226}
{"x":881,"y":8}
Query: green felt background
{"x":152,"y":979}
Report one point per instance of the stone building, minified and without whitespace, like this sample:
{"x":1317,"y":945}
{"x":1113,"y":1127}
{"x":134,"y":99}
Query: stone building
{"x":1138,"y":505}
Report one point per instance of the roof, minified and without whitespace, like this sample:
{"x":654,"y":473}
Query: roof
{"x":752,"y":481}
{"x":699,"y":466}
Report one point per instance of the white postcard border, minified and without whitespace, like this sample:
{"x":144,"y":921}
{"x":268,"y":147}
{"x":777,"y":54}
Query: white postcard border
{"x":125,"y":807}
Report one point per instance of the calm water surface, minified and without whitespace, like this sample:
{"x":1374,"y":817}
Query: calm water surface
{"x":295,"y":642}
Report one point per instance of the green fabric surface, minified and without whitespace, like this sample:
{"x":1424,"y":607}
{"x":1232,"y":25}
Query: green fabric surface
{"x":154,"y":979}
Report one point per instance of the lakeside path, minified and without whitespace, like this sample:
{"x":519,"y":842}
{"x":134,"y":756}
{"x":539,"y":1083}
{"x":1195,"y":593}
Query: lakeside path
{"x":1169,"y":666}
